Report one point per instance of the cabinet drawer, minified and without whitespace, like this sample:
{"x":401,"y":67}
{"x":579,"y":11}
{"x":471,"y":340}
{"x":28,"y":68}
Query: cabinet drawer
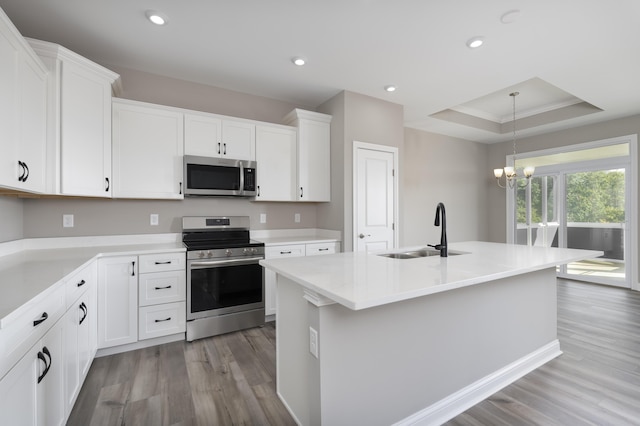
{"x":161,"y":262}
{"x":162,"y":287}
{"x":162,"y":320}
{"x":322,"y":248}
{"x":293,"y":250}
{"x":25,"y":330}
{"x":80,"y":281}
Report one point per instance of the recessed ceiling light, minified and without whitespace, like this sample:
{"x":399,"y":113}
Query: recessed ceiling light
{"x":475,"y":42}
{"x":156,"y":17}
{"x":390,"y":88}
{"x":298,"y":61}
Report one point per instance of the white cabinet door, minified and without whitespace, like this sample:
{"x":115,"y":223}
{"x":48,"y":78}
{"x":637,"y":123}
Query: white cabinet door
{"x":32,"y":391}
{"x":117,"y":301}
{"x":238,"y":140}
{"x":276,"y":158}
{"x":22,"y":113}
{"x":202,"y":135}
{"x":314,"y":162}
{"x":147,"y":151}
{"x":32,"y":150}
{"x":9,"y":56}
{"x":18,"y":391}
{"x":80,"y":340}
{"x":274,"y":252}
{"x":85,"y":132}
{"x":50,"y":396}
{"x":209,"y":135}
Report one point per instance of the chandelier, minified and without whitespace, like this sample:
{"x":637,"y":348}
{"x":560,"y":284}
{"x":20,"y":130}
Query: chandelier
{"x":509,"y":172}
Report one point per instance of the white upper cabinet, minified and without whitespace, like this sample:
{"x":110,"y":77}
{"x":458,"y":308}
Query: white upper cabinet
{"x":23,"y":79}
{"x":78,"y":123}
{"x":147,"y":151}
{"x":276,"y":163}
{"x":313,"y":154}
{"x":210,"y":135}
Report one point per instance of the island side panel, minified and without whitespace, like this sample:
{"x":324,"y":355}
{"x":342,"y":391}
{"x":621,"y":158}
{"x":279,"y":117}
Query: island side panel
{"x":383,"y":364}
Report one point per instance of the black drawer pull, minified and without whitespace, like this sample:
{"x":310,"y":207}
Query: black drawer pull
{"x":285,"y":252}
{"x":163,"y":320}
{"x":168,"y":262}
{"x":41,"y":319}
{"x":323,"y":249}
{"x":81,"y":283}
{"x":162,"y":288}
{"x":133,"y":269}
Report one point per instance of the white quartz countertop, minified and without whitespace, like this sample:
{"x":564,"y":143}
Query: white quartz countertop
{"x":30,"y":273}
{"x":307,"y":239}
{"x":365,"y":280}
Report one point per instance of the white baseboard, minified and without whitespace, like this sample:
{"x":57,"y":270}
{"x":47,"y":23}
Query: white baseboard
{"x":462,"y":400}
{"x":140,"y":344}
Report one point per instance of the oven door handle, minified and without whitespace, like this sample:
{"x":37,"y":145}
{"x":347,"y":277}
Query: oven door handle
{"x":246,"y":260}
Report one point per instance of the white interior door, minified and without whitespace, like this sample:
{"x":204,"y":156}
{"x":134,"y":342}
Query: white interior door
{"x":375,"y":189}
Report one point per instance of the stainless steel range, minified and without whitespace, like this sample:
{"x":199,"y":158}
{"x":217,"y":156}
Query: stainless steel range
{"x":225,"y":283}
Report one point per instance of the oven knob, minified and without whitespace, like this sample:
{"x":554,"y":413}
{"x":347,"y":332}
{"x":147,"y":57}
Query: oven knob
{"x":228,"y":252}
{"x":254,"y":250}
{"x":200,"y":254}
{"x":246,"y":251}
{"x":209,"y":254}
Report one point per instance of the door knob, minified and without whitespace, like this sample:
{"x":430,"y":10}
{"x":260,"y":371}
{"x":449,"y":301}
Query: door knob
{"x":362,"y":235}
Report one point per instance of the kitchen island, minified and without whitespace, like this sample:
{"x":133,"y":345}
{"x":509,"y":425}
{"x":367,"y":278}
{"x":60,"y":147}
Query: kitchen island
{"x":367,"y":339}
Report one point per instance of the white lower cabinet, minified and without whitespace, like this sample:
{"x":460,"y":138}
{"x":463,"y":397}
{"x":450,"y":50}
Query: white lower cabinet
{"x":32,"y":391}
{"x":291,"y":250}
{"x":162,"y":320}
{"x":81,"y":329}
{"x":117,"y":301}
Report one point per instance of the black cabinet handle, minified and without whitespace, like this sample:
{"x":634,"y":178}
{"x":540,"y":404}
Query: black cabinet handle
{"x":224,"y":152}
{"x":301,"y":193}
{"x":218,"y":147}
{"x":83,"y":308}
{"x":323,"y":249}
{"x":47,"y":365}
{"x":162,"y":288}
{"x":168,"y":262}
{"x":258,"y":190}
{"x":24,"y":179}
{"x":133,"y":268}
{"x":81,"y":283}
{"x":21,"y":177}
{"x":108,"y":185}
{"x":285,"y":252}
{"x":180,"y":188}
{"x":40,"y":320}
{"x":163,"y":320}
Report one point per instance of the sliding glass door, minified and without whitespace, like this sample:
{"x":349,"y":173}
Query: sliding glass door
{"x":595,"y":217}
{"x":580,"y":197}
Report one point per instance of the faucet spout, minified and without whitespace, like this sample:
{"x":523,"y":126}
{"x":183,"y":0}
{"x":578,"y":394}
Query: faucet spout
{"x":441,"y":213}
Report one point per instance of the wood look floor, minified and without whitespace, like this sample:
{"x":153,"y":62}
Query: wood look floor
{"x":230,"y":379}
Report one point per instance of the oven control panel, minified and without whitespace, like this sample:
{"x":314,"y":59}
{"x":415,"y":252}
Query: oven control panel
{"x":225,"y":253}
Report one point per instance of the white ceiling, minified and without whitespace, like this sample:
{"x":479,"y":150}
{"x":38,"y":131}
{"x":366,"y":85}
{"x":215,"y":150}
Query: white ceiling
{"x":588,"y":50}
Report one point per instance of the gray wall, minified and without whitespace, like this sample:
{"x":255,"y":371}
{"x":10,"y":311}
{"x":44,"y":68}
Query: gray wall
{"x":364,"y":119}
{"x":443,"y":169}
{"x":11,"y":212}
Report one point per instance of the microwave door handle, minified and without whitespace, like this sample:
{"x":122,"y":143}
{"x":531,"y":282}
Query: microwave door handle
{"x":241,"y":178}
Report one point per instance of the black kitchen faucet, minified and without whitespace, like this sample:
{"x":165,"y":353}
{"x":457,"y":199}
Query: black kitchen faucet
{"x":443,"y":230}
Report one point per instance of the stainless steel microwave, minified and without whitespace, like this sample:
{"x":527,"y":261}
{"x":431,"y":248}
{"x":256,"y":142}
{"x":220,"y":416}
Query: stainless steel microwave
{"x":210,"y":176}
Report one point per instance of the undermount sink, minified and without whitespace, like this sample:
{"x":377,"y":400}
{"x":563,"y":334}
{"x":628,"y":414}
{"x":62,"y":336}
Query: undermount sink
{"x":414,"y":254}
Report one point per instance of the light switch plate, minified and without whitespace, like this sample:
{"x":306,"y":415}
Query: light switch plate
{"x":313,"y":341}
{"x":263,"y":218}
{"x":296,"y":217}
{"x":67,"y":221}
{"x":154,"y":219}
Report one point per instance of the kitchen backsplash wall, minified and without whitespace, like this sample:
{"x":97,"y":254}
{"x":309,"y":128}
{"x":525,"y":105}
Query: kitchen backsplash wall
{"x":43,"y":217}
{"x":11,"y":212}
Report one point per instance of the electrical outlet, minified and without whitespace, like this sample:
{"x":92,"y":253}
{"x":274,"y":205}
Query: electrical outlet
{"x":67,"y":221}
{"x":263,"y":218}
{"x":154,"y":219}
{"x":313,"y":341}
{"x":297,"y":217}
